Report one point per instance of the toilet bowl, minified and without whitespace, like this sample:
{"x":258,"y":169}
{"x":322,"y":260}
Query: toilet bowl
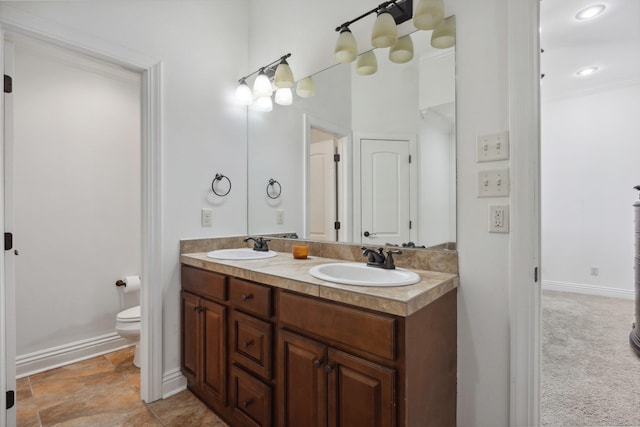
{"x":128,"y":327}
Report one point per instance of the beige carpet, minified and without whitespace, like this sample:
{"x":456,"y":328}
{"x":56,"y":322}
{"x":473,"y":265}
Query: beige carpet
{"x":590,"y":375}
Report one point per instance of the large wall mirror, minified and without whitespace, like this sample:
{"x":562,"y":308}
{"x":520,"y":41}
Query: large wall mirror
{"x":368,"y":159}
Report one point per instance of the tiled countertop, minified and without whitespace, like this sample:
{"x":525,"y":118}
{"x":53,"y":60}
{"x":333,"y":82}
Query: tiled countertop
{"x":283,"y":271}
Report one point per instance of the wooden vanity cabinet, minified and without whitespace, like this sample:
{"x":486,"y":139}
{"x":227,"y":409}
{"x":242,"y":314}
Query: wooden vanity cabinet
{"x":262,"y":356}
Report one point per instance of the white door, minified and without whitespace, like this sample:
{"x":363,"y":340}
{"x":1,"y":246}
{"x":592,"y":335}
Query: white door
{"x":385,"y":189}
{"x":322,"y":187}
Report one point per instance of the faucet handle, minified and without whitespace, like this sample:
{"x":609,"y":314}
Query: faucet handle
{"x":389,"y":264}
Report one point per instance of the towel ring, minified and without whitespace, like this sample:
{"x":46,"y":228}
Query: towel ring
{"x":220,"y":177}
{"x":272,"y":183}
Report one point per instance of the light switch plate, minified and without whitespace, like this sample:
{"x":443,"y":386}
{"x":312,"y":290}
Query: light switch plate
{"x":493,"y":183}
{"x":492,"y":147}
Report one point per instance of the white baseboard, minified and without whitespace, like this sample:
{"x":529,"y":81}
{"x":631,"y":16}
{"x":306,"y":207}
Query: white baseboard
{"x":173,"y":382}
{"x":580,"y":288}
{"x":55,"y":357}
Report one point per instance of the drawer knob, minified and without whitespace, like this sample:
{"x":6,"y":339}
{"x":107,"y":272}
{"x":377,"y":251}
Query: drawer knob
{"x":317,"y":362}
{"x":247,"y":343}
{"x":246,"y":297}
{"x":246,"y":403}
{"x":328,"y":368}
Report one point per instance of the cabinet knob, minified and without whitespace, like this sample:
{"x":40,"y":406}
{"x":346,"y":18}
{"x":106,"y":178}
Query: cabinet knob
{"x":246,"y":403}
{"x":247,"y":343}
{"x":328,"y":368}
{"x":246,"y":297}
{"x":318,"y":362}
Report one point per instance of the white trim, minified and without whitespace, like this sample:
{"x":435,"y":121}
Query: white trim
{"x":66,"y":354}
{"x":524,"y":244}
{"x":173,"y":382}
{"x":581,"y":288}
{"x":152,"y":273}
{"x":7,"y":417}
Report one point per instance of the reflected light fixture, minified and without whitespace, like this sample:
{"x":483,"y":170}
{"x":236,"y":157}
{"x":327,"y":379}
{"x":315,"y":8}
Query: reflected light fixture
{"x":444,"y":35}
{"x":367,"y":63}
{"x":402,"y":51}
{"x":277,"y":71}
{"x":590,"y":12}
{"x":429,"y":14}
{"x":305,"y":88}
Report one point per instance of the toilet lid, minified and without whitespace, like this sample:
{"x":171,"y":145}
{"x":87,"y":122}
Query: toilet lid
{"x":130,"y":314}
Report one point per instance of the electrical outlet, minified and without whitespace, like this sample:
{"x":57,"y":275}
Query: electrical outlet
{"x":280,"y":216}
{"x":498,"y":218}
{"x":491,"y":148}
{"x":493,"y":183}
{"x":206,"y":217}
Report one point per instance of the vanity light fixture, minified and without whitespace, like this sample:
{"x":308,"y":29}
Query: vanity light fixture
{"x":402,"y":51}
{"x":384,"y":32}
{"x":444,"y":35}
{"x":429,"y":14}
{"x":367,"y":63}
{"x":590,"y":12}
{"x":587,"y":71}
{"x":260,"y":96}
{"x":305,"y":88}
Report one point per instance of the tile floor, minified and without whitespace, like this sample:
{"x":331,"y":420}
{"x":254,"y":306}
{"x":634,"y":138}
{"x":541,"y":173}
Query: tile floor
{"x":103,"y":391}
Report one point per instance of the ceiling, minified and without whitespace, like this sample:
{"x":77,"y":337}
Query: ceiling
{"x":610,"y":41}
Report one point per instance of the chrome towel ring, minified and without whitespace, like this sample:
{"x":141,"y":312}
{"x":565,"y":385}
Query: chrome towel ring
{"x":220,"y":177}
{"x":274,"y":193}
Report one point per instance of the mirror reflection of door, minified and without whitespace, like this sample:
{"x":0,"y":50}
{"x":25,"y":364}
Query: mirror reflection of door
{"x":325,"y":182}
{"x":385,"y":187}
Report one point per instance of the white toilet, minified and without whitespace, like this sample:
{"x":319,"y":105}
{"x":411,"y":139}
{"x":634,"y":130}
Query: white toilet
{"x":128,"y":327}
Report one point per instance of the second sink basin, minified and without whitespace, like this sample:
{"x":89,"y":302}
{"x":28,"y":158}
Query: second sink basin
{"x":360,"y":274}
{"x":240,"y":254}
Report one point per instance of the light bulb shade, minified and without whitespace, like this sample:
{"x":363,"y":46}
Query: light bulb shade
{"x":367,"y":64}
{"x":402,"y":51}
{"x":444,"y":36}
{"x":263,"y":103}
{"x":243,"y":93}
{"x":284,"y":96}
{"x":284,"y":75}
{"x":306,"y":88}
{"x":346,"y":48}
{"x":429,"y":14}
{"x":385,"y":31}
{"x":262,"y":86}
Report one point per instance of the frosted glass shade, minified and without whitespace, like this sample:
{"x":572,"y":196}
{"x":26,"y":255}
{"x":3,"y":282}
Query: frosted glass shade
{"x":284,"y":96}
{"x":306,"y":88}
{"x":429,"y":14}
{"x":284,"y":75}
{"x":262,"y":86}
{"x":444,"y":36}
{"x":346,"y":48}
{"x":367,"y":64}
{"x":385,"y":31}
{"x":263,"y":103}
{"x":244,"y":94}
{"x":402,"y":51}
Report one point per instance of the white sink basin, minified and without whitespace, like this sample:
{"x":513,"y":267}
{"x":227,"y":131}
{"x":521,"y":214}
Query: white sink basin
{"x":240,"y":254}
{"x":360,"y":274}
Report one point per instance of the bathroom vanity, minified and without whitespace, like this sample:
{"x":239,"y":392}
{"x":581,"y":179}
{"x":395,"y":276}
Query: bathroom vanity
{"x":266,"y":344}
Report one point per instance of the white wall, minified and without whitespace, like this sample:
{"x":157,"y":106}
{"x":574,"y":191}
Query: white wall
{"x":203,"y":48}
{"x":482,"y":107}
{"x":590,"y":153}
{"x":77,"y":194}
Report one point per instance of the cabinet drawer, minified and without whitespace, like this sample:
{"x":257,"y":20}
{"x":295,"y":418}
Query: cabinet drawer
{"x":251,"y":343}
{"x":250,"y":399}
{"x":370,"y":332}
{"x":204,"y":283}
{"x":250,"y":297}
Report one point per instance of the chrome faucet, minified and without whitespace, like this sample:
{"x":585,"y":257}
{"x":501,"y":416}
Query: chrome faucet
{"x":259,"y":243}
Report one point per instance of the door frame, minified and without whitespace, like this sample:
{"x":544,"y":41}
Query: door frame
{"x":413,"y":181}
{"x":151,"y":373}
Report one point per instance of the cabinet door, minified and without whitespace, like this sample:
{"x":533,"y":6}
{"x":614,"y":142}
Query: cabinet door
{"x":302,"y":382}
{"x":191,"y":336}
{"x":214,"y":373}
{"x":361,"y":393}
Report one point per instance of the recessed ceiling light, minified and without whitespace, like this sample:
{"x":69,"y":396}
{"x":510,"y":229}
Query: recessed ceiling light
{"x":586,"y":71}
{"x":590,"y":12}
